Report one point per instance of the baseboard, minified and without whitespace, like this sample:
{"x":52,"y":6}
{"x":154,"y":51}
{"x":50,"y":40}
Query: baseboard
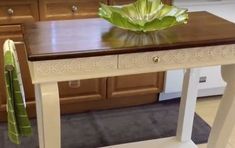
{"x":201,"y":93}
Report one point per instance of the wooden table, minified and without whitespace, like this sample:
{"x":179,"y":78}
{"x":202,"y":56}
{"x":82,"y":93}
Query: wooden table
{"x":92,"y":48}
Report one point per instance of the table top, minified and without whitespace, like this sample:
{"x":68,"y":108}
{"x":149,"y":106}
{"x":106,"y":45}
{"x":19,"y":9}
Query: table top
{"x":95,"y":37}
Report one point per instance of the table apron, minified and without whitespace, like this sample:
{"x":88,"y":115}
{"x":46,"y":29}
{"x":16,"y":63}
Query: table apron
{"x":132,"y":63}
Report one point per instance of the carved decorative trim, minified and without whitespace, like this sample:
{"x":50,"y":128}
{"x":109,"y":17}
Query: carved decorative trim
{"x":134,"y":63}
{"x":74,"y":66}
{"x":183,"y":58}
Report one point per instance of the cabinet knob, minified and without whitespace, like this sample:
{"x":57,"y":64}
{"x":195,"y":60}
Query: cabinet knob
{"x":156,"y":59}
{"x":74,"y":8}
{"x":10,"y":11}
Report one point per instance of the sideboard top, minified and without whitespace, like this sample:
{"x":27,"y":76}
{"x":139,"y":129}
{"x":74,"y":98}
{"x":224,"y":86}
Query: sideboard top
{"x":94,"y":37}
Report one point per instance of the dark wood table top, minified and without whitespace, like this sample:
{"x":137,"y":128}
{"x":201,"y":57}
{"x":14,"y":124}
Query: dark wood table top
{"x":94,"y":37}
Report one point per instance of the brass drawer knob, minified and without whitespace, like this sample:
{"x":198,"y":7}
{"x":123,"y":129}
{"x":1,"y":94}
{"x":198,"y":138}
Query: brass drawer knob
{"x":74,"y":8}
{"x":156,"y":59}
{"x":10,"y":11}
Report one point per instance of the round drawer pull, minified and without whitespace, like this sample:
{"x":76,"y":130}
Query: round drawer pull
{"x":156,"y":59}
{"x":74,"y":8}
{"x":10,"y":11}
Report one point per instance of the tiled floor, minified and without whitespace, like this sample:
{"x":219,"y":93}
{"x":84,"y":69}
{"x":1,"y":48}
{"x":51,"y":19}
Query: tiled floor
{"x":206,"y":108}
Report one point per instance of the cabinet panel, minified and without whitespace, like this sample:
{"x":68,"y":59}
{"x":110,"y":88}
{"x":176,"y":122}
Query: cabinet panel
{"x":69,"y":9}
{"x":10,"y":31}
{"x":134,"y":85}
{"x":84,"y":90}
{"x":15,"y":11}
{"x":122,"y":2}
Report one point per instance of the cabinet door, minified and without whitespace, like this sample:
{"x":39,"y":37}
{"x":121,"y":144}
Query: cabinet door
{"x":84,"y":90}
{"x":122,"y":2}
{"x":15,"y":11}
{"x":135,"y":85}
{"x":69,"y":9}
{"x":80,"y":96}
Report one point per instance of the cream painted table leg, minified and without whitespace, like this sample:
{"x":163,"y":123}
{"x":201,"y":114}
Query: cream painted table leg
{"x":225,"y":118}
{"x":48,"y":115}
{"x":187,"y":105}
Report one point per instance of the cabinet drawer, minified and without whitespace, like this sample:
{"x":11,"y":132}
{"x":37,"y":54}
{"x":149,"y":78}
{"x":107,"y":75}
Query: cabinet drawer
{"x":10,"y":31}
{"x":69,"y":9}
{"x":122,"y":2}
{"x":154,"y":59}
{"x":73,"y":67}
{"x":166,"y":59}
{"x":15,"y":11}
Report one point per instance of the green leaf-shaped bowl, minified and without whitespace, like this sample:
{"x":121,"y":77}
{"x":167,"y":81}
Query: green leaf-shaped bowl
{"x":144,"y":15}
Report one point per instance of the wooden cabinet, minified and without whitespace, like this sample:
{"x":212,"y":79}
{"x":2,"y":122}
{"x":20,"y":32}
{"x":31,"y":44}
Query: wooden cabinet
{"x":18,"y":11}
{"x":122,"y":2}
{"x":76,"y":96}
{"x":69,"y":9}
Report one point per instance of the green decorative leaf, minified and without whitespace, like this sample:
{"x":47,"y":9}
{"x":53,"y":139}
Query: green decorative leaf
{"x":144,"y":15}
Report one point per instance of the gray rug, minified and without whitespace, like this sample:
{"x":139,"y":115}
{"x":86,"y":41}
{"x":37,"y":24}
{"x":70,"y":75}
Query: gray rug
{"x":108,"y":127}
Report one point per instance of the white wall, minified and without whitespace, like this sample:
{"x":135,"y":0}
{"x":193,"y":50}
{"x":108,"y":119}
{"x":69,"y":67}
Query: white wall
{"x":214,"y":85}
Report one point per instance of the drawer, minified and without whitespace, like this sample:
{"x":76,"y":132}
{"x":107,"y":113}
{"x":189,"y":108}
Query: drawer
{"x":176,"y":58}
{"x":122,"y":2}
{"x":5,"y":29}
{"x":159,"y":60}
{"x":69,"y":9}
{"x":11,"y":32}
{"x":74,"y":67}
{"x":16,"y":12}
{"x":139,"y":60}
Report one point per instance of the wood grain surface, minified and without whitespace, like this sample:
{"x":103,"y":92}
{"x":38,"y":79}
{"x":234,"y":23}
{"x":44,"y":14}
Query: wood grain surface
{"x":95,"y":37}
